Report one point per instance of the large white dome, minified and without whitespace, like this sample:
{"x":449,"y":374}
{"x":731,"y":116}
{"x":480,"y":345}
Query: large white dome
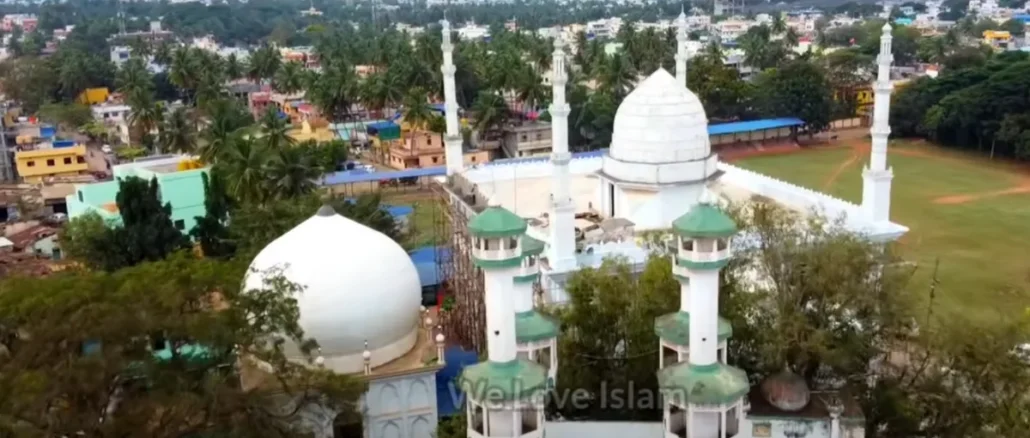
{"x":359,"y":285}
{"x":661,"y":121}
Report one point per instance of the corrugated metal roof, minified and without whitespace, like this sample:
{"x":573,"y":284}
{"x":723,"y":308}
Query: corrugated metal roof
{"x":358,"y":175}
{"x":753,"y":125}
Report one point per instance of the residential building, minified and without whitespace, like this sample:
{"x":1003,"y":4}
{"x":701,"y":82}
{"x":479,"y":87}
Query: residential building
{"x":997,"y":38}
{"x":27,"y":22}
{"x":57,"y":159}
{"x":181,"y":185}
{"x":527,"y":140}
{"x":115,"y":117}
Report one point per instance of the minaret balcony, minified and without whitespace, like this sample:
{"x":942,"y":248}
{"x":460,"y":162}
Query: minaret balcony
{"x":673,"y":331}
{"x":505,"y":399}
{"x":536,"y":335}
{"x":529,"y":269}
{"x":703,"y":400}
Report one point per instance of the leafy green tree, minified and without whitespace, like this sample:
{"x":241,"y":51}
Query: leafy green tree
{"x":145,"y":234}
{"x":797,"y":89}
{"x":289,"y":78}
{"x":149,"y":351}
{"x":1014,"y":26}
{"x":608,"y":339}
{"x":67,"y":116}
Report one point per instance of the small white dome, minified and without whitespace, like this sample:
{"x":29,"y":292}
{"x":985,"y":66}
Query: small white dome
{"x":359,"y":286}
{"x":661,"y":121}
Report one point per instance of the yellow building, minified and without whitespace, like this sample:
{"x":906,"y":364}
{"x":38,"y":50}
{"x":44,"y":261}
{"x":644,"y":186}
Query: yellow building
{"x":35,"y":165}
{"x":997,"y":38}
{"x":93,"y":96}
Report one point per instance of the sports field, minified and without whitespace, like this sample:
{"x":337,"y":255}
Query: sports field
{"x":972,"y":214}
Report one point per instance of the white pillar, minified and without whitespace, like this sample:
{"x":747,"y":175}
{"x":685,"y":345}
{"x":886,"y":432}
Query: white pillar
{"x":876,"y":178}
{"x":562,"y":256}
{"x":523,"y":297}
{"x":684,"y":294}
{"x":704,"y":316}
{"x":681,"y":49}
{"x":500,"y":319}
{"x":452,"y":138}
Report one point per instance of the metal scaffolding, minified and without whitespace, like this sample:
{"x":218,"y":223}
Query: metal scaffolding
{"x":463,"y":314}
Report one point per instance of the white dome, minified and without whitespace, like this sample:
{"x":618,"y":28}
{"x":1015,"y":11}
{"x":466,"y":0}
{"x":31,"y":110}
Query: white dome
{"x":661,"y":121}
{"x":359,"y":286}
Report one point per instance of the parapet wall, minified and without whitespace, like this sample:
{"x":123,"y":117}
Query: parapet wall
{"x":792,"y":194}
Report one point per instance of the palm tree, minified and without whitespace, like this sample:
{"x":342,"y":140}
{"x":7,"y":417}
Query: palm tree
{"x":133,"y":78}
{"x":264,"y":62}
{"x":289,"y":78}
{"x":146,"y":114}
{"x":185,"y":69}
{"x":234,"y":69}
{"x":290,"y":173}
{"x":416,"y":109}
{"x":226,"y":123}
{"x":382,"y":90}
{"x":531,"y":91}
{"x":243,"y":160}
{"x":334,"y":90}
{"x":618,"y":75}
{"x":177,"y":132}
{"x":275,"y":131}
{"x":491,"y":112}
{"x":778,"y":25}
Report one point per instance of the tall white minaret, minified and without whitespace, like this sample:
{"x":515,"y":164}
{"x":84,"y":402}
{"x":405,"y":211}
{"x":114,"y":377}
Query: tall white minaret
{"x":562,"y":255}
{"x":681,"y":48}
{"x":507,"y":389}
{"x":452,"y":138}
{"x":876,"y":178}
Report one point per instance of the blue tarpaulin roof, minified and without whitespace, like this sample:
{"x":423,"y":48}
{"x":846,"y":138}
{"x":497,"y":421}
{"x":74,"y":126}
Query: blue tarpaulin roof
{"x":1025,"y":18}
{"x":754,"y":125}
{"x":359,"y":175}
{"x":379,"y":126}
{"x":426,"y":260}
{"x":448,"y":394}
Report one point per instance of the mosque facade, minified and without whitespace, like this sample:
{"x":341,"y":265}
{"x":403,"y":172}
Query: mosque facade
{"x":363,"y":307}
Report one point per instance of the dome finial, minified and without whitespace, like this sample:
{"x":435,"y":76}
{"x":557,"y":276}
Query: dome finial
{"x":325,"y":210}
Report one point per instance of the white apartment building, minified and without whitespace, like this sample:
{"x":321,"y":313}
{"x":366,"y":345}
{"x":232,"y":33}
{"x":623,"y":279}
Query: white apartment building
{"x":115,"y":117}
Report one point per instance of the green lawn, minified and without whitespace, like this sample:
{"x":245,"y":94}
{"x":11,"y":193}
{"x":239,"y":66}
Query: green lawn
{"x":982,"y":244}
{"x":423,"y":224}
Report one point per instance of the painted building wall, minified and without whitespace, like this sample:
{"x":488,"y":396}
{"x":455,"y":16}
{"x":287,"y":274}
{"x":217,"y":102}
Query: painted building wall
{"x":402,"y":407}
{"x":35,"y":165}
{"x":184,"y":190}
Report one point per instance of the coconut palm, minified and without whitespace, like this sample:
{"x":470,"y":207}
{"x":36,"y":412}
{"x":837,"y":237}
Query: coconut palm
{"x":234,"y":68}
{"x":531,"y":91}
{"x":291,"y":172}
{"x":289,"y":78}
{"x":146,"y":115}
{"x":243,"y":160}
{"x":382,"y":90}
{"x":491,"y":111}
{"x":334,"y":91}
{"x":133,"y":78}
{"x":264,"y":62}
{"x":617,"y":74}
{"x":778,"y":25}
{"x":226,"y":122}
{"x":177,"y":133}
{"x":275,"y":131}
{"x":185,"y":69}
{"x":416,"y":108}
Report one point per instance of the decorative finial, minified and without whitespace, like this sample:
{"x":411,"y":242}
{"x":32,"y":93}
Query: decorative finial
{"x":886,"y":28}
{"x":559,"y":43}
{"x":440,"y":359}
{"x":429,"y":322}
{"x":320,"y":362}
{"x":683,"y":13}
{"x":367,"y":357}
{"x":326,"y":210}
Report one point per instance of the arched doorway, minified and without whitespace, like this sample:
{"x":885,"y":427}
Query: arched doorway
{"x":348,"y":426}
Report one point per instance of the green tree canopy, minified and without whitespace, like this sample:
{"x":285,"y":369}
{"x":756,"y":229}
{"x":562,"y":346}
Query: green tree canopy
{"x":151,"y":350}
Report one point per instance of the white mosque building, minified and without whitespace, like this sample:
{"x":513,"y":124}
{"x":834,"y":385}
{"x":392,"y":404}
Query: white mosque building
{"x":659,"y":174}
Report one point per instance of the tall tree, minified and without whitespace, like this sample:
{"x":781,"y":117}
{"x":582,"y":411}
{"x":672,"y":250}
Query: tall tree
{"x":149,"y":351}
{"x":797,"y":89}
{"x":212,"y":229}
